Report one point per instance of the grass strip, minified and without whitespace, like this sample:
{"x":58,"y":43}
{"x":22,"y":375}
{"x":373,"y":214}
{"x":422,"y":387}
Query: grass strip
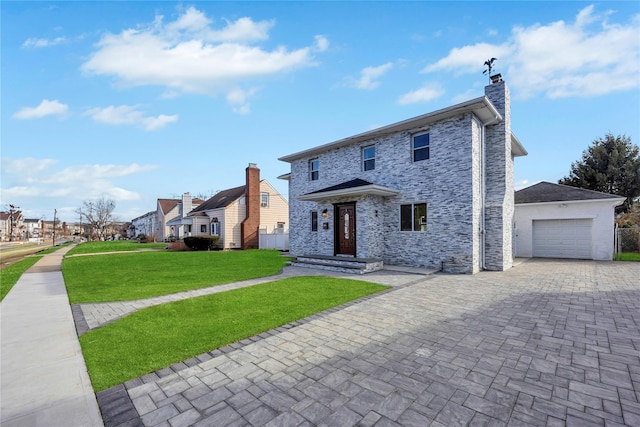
{"x":122,"y":277}
{"x":628,"y":256}
{"x":9,"y":276}
{"x":113,"y":246}
{"x":160,"y":336}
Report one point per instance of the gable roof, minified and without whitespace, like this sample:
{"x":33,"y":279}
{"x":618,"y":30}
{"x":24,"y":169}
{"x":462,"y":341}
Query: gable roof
{"x":167,"y":204}
{"x":481,"y":107}
{"x":544,"y":192}
{"x":350,"y":188}
{"x":222,"y":199}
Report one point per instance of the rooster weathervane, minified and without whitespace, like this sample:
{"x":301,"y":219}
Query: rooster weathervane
{"x":489,"y":64}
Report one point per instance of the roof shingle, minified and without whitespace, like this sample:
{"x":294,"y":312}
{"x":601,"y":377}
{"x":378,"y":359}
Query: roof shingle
{"x":548,"y":192}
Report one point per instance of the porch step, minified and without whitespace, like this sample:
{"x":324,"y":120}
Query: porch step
{"x":341,"y":264}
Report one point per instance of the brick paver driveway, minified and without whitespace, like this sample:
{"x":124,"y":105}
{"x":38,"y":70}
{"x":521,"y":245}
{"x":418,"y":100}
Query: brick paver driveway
{"x":545,"y":343}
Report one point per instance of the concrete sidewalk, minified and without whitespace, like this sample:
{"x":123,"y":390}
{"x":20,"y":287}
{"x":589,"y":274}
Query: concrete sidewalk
{"x":44,"y":378}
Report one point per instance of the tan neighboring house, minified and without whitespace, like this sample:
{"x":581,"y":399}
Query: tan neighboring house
{"x":237,"y":214}
{"x":169,"y":209}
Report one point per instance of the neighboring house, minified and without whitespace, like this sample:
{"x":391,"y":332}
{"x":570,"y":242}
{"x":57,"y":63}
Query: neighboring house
{"x":433,"y":191}
{"x":144,"y":224}
{"x":168,"y":209}
{"x":11,"y":225}
{"x":559,"y":221}
{"x":32,"y":228}
{"x":236,"y":214}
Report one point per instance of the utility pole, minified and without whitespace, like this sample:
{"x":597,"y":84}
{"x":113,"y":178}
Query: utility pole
{"x":54,"y":227}
{"x":12,"y":210}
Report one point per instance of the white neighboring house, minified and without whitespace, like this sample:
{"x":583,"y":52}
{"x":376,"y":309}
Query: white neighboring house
{"x":33,"y":228}
{"x":559,"y":221}
{"x":144,"y":224}
{"x":236,"y":214}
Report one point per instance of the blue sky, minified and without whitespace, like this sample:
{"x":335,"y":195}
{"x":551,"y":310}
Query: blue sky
{"x":136,"y":101}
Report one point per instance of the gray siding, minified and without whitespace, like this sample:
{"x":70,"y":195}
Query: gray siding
{"x":468,"y":209}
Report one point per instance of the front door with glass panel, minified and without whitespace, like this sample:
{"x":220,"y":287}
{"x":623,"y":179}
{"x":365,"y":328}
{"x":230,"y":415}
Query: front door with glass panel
{"x":345,"y":226}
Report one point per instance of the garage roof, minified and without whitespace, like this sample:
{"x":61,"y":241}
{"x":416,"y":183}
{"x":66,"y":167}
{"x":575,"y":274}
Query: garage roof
{"x":543,"y":192}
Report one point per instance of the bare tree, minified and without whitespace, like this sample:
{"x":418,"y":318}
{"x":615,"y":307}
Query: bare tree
{"x":98,"y":215}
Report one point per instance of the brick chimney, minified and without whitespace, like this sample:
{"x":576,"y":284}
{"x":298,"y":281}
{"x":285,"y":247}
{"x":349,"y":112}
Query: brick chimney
{"x":250,"y":225}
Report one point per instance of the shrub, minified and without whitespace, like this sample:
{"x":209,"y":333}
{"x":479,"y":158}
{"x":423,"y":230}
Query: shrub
{"x":142,"y":238}
{"x":202,"y":243}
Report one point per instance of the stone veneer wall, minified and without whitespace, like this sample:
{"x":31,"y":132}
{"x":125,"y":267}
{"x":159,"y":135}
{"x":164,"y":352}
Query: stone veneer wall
{"x":499,"y":178}
{"x":447,"y":182}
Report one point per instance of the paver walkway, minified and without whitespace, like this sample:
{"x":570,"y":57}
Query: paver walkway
{"x":44,"y":378}
{"x":546,"y":343}
{"x":91,"y":316}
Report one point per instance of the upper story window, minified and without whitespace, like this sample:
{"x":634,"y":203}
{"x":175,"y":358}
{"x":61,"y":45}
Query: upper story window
{"x":369,"y":158}
{"x":314,"y":169}
{"x":413,"y":217}
{"x":264,"y":200}
{"x":420,"y":145}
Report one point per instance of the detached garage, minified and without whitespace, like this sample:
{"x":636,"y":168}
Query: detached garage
{"x":558,"y":221}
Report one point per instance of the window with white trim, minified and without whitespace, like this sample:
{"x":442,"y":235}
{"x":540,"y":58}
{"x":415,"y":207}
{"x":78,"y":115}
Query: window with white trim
{"x":369,"y":158}
{"x":314,"y":169}
{"x":215,"y":228}
{"x":420,"y":146}
{"x":264,"y":200}
{"x":413,"y":217}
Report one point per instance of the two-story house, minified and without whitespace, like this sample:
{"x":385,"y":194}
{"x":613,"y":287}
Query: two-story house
{"x":433,"y":191}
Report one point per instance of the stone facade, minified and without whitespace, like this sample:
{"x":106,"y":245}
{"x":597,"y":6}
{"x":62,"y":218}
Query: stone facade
{"x":450,"y":182}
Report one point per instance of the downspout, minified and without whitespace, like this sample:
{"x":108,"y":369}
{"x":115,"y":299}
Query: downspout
{"x":483,"y":189}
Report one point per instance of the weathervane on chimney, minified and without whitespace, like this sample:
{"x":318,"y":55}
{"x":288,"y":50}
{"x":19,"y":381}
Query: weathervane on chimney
{"x":496,"y":78}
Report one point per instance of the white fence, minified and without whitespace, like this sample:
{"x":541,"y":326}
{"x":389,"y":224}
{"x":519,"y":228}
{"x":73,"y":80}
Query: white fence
{"x":278,"y":238}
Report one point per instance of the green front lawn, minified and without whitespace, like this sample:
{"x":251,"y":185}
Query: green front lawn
{"x":113,"y":246}
{"x":10,"y":275}
{"x":628,"y":256}
{"x":160,"y":336}
{"x":129,"y":276}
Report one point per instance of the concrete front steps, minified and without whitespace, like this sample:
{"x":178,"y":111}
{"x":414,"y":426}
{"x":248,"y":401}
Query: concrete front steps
{"x":338,"y":263}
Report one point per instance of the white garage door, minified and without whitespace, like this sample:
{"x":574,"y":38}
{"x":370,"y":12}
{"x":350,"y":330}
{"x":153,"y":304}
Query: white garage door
{"x":562,"y":238}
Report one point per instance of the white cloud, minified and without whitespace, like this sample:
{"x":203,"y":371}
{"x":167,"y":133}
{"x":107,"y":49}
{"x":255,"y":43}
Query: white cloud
{"x":468,"y":59}
{"x":424,"y":94}
{"x":588,"y":57}
{"x":190,"y":55}
{"x":130,"y":115}
{"x":37,"y":43}
{"x":322,"y":43}
{"x":46,"y":108}
{"x":31,"y":177}
{"x":238,"y":99}
{"x":369,"y":76}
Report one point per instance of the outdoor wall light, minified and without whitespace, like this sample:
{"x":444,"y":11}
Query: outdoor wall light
{"x":325,"y":213}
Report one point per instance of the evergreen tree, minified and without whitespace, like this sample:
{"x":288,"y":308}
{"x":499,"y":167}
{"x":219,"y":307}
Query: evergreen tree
{"x":610,"y":165}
